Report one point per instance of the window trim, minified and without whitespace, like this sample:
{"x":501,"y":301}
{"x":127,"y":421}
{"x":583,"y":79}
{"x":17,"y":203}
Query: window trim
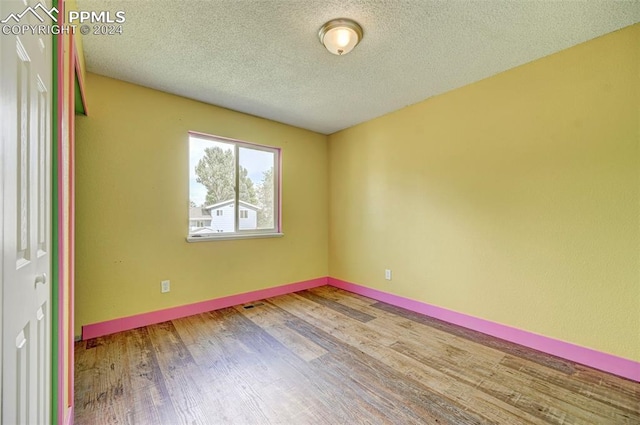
{"x":230,"y":236}
{"x":276,"y":231}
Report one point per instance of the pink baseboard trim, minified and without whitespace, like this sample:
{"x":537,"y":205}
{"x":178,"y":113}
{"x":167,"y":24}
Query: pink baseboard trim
{"x":69,"y":416}
{"x":606,"y":362}
{"x":131,"y":322}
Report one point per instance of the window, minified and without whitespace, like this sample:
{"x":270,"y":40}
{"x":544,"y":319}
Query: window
{"x":237,"y":184}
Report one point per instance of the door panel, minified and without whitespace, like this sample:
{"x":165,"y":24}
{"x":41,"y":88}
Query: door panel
{"x":25,"y":82}
{"x":23,"y":103}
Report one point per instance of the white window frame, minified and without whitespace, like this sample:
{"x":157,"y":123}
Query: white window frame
{"x":276,"y":231}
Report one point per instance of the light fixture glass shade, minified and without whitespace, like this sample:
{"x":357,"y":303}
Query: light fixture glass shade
{"x":340,"y":36}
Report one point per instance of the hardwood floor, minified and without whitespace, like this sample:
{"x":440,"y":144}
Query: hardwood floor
{"x":326,"y":356}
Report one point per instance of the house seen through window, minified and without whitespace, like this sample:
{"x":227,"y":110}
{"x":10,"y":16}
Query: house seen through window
{"x":233,"y":187}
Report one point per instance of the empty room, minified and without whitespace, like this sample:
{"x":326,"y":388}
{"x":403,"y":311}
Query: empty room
{"x":304,"y":212}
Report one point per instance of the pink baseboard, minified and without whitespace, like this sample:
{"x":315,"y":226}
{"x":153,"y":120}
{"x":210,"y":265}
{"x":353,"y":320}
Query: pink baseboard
{"x":68,"y":416}
{"x":606,"y":362}
{"x":603,"y":361}
{"x":131,"y":322}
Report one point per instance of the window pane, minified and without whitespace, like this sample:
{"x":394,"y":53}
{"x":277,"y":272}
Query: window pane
{"x":232,"y":186}
{"x":211,"y":186}
{"x":256,"y":189}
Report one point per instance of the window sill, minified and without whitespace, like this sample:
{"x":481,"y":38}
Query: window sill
{"x":210,"y":238}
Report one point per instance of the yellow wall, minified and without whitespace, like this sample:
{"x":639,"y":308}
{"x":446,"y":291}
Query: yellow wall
{"x":132,"y":203}
{"x":514,"y":199}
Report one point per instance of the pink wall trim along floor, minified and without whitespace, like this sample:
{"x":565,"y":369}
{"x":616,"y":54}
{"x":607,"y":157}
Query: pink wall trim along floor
{"x":586,"y":356}
{"x":131,"y":322}
{"x":69,"y":418}
{"x":566,"y":350}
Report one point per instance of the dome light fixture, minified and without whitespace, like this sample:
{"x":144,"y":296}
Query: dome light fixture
{"x":340,"y":36}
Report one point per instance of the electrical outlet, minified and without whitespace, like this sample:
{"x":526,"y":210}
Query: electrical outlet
{"x":165,"y":286}
{"x":387,"y":274}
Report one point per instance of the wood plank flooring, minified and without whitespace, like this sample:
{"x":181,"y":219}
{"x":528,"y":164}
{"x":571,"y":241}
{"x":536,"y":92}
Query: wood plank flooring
{"x":326,"y":356}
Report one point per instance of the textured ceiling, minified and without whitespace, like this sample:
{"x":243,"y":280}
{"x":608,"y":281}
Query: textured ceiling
{"x":264,"y":57}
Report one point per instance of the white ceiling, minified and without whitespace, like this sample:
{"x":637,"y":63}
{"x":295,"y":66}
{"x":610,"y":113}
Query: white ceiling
{"x":264,"y":57}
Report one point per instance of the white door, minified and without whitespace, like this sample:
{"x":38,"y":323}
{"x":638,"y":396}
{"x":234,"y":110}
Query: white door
{"x":25,"y":133}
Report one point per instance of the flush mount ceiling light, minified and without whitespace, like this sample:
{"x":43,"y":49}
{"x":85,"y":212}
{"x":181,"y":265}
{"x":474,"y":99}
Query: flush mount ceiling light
{"x":340,"y":36}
